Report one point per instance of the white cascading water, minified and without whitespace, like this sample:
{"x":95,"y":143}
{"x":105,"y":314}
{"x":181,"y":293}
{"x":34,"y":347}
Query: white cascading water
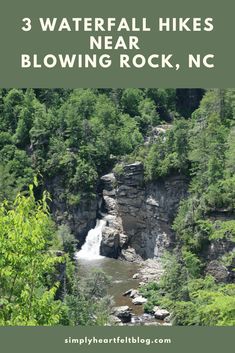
{"x":91,"y":248}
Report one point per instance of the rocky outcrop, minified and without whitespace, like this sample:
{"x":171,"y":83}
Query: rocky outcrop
{"x":218,"y":271}
{"x":215,"y":254}
{"x":130,"y":255}
{"x":219,"y":247}
{"x":156,"y":132}
{"x":110,"y":245}
{"x":150,"y":271}
{"x":141,"y":214}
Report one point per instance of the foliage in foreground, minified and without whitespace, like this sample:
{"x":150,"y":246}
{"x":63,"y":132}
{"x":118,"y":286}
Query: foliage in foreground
{"x":39,"y":285}
{"x":26,"y":264}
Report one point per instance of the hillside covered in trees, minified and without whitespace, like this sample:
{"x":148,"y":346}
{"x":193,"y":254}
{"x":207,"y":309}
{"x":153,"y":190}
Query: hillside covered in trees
{"x":55,"y":147}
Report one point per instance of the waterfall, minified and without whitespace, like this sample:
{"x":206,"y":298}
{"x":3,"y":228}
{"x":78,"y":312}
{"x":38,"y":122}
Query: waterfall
{"x":91,"y":248}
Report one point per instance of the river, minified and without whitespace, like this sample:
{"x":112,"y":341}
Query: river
{"x":121,"y":273}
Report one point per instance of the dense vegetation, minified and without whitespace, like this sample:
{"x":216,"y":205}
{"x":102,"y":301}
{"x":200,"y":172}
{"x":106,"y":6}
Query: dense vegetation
{"x":203,"y":149}
{"x":77,"y":134}
{"x":81,"y":134}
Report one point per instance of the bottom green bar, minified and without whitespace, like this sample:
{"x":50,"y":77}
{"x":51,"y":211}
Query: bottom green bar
{"x":116,"y":339}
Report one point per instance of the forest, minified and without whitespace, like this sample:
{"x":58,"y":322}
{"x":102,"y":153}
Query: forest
{"x":55,"y":146}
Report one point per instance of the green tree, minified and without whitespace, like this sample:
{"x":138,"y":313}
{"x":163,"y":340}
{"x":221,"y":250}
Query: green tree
{"x":131,"y":98}
{"x":25,"y":262}
{"x":13,"y":104}
{"x":89,"y":303}
{"x":148,"y":115}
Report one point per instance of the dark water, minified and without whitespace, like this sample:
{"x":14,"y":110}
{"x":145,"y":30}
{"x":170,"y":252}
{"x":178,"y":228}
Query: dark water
{"x":121,"y":273}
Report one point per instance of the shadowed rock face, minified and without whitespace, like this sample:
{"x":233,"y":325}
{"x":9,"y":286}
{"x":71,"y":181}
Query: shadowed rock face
{"x":80,"y":218}
{"x":213,"y":254}
{"x":218,"y":271}
{"x":187,"y":100}
{"x":143,"y":213}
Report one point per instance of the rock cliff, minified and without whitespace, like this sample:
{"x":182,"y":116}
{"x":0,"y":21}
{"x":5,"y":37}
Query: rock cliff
{"x":140,"y":214}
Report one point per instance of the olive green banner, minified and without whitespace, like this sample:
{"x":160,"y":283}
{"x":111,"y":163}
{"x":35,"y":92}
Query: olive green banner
{"x":123,"y":339}
{"x":151,"y":43}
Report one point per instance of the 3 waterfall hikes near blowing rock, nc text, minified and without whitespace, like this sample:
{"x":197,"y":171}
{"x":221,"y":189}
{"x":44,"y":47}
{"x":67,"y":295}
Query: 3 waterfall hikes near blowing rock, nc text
{"x":80,"y":58}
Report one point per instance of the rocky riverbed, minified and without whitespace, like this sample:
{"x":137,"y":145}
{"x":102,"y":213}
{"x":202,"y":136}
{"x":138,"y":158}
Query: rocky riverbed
{"x":148,"y":271}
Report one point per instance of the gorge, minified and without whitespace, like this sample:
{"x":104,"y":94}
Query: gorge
{"x":132,"y":184}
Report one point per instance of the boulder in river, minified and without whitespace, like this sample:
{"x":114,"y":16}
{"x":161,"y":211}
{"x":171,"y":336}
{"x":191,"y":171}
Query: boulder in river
{"x":128,"y":292}
{"x":130,"y":255}
{"x":123,"y":313}
{"x":114,"y":320}
{"x":134,"y":293}
{"x":136,"y":276}
{"x":139,"y":300}
{"x":159,"y":313}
